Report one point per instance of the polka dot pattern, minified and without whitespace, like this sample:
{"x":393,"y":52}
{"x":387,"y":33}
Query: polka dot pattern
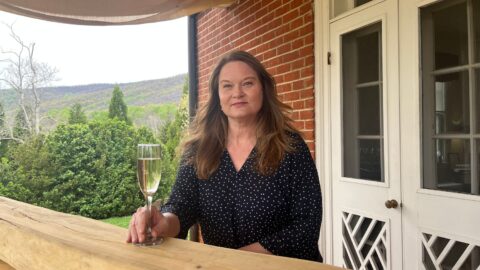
{"x":281,"y":211}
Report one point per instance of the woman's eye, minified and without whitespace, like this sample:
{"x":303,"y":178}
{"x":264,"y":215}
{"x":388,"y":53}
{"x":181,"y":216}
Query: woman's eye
{"x":226,"y":86}
{"x":248,"y":83}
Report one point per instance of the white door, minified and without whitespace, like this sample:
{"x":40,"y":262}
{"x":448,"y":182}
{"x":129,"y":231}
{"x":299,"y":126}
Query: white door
{"x":440,"y":133}
{"x":365,"y":157}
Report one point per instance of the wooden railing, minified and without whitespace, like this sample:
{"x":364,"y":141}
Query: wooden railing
{"x":33,"y":238}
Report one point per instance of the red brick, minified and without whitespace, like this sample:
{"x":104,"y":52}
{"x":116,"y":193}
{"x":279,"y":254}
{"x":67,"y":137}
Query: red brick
{"x":306,"y":8}
{"x":306,"y":72}
{"x":291,"y":76}
{"x":310,"y":124}
{"x":299,"y":104}
{"x":285,"y":87}
{"x":299,"y":125}
{"x":296,"y":3}
{"x":284,"y":49}
{"x":296,"y":23}
{"x":298,"y":64}
{"x":279,"y":79}
{"x":268,"y":17}
{"x":289,"y":57}
{"x":297,"y":85}
{"x":296,"y":44}
{"x":310,"y":103}
{"x":309,"y":61}
{"x":308,"y":114}
{"x":290,"y":36}
{"x":291,"y":96}
{"x":306,"y":93}
{"x":308,"y":135}
{"x":284,"y":68}
{"x":269,"y":54}
{"x":308,"y":39}
{"x":274,"y":5}
{"x":295,"y":115}
{"x":290,"y":16}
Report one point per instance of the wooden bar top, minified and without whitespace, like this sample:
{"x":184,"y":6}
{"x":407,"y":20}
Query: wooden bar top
{"x":33,"y":238}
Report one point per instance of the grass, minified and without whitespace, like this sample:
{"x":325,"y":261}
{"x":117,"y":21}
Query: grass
{"x":118,"y":221}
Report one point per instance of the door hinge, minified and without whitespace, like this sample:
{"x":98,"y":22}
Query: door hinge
{"x":329,"y":58}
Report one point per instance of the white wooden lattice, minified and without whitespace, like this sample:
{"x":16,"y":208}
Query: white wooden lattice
{"x":364,"y":242}
{"x":443,"y":253}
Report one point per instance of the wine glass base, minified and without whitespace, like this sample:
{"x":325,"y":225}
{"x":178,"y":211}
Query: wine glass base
{"x":150,"y":242}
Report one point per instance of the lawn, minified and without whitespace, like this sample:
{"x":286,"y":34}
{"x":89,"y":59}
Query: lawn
{"x":118,"y":221}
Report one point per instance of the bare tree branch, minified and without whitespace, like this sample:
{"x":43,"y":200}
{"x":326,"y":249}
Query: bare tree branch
{"x":26,"y":77}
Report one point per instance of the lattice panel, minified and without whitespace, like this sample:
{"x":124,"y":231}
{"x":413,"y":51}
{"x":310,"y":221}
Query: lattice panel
{"x":364,"y":242}
{"x":441,"y":253}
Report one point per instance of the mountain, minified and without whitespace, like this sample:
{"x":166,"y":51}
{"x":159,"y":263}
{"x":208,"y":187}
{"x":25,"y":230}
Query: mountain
{"x":96,"y":97}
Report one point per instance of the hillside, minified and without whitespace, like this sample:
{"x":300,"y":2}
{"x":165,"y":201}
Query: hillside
{"x":95,"y":98}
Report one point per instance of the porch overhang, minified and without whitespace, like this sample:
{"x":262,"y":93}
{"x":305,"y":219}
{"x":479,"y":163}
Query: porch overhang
{"x":108,"y":12}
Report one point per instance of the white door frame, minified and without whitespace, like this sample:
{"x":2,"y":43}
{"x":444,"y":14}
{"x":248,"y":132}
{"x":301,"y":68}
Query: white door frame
{"x":425,"y":209}
{"x":410,"y":147}
{"x":324,"y":113}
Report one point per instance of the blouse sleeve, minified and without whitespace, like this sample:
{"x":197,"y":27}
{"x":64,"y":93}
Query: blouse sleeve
{"x":300,"y":237}
{"x":183,"y":201}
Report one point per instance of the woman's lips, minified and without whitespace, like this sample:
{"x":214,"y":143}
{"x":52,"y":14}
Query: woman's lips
{"x":236,"y":104}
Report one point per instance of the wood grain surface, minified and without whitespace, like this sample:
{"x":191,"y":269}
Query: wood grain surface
{"x":33,"y":238}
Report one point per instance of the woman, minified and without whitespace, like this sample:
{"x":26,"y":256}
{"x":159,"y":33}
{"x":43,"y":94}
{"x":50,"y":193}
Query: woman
{"x":246,"y":174}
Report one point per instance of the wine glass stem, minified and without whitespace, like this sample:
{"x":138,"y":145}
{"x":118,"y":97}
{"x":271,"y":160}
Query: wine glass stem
{"x":149,"y":219}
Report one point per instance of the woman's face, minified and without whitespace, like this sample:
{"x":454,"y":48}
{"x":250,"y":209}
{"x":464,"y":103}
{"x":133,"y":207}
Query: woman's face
{"x":240,"y":91}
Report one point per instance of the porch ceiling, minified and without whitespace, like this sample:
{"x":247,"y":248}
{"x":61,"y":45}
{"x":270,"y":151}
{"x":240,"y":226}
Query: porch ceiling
{"x":108,"y":12}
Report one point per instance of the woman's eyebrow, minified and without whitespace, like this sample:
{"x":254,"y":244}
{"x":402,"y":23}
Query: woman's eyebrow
{"x":246,"y":78}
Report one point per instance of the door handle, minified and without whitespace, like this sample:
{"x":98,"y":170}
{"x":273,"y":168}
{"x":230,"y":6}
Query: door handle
{"x":391,"y":204}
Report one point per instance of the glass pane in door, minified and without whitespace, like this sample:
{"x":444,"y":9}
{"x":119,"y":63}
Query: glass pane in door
{"x":475,"y":187}
{"x":477,"y":101}
{"x":370,"y":156}
{"x":450,"y":36}
{"x":369,"y":110}
{"x":362,"y":104}
{"x":476,"y":27}
{"x":368,"y":64}
{"x":452,"y":107}
{"x":453,"y":172}
{"x":341,"y":6}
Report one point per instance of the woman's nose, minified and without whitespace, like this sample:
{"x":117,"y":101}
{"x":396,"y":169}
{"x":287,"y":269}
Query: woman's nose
{"x":238,"y":91}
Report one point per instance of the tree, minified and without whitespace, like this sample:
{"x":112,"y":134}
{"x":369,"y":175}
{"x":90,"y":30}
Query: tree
{"x":171,"y":135}
{"x":118,"y":109}
{"x":77,"y":115}
{"x":3,"y":133}
{"x":26,"y":76}
{"x":21,"y":128}
{"x":2,"y":117}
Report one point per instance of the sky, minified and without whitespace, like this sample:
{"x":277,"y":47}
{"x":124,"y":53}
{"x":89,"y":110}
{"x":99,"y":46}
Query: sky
{"x":103,"y":54}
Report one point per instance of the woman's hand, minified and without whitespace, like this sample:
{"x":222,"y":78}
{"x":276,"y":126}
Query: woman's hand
{"x":163,"y":225}
{"x":137,"y":229}
{"x":256,"y":247}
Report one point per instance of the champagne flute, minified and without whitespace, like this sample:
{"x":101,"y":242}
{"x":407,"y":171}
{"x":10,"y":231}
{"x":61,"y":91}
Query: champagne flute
{"x":149,"y":173}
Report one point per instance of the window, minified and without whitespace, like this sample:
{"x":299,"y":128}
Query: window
{"x":362,"y":103}
{"x":450,"y":57}
{"x":341,"y":6}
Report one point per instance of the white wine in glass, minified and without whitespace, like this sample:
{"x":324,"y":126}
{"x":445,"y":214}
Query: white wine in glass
{"x":149,"y":171}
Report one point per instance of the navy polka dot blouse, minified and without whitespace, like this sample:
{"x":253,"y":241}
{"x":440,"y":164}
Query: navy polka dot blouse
{"x":281,"y":211}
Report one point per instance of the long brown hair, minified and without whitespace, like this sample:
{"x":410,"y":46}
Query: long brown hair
{"x":208,"y":131}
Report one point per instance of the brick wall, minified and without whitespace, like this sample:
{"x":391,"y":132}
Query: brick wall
{"x":280,"y":34}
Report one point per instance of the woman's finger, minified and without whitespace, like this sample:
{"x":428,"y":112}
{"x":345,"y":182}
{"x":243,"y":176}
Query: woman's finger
{"x":156,"y":217}
{"x":140,"y":224}
{"x":132,"y":231}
